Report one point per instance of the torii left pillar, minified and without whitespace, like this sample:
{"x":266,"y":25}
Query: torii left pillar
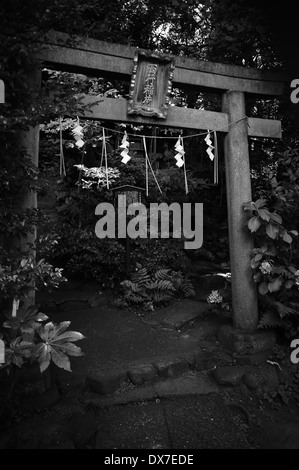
{"x":30,"y":143}
{"x":242,"y":337}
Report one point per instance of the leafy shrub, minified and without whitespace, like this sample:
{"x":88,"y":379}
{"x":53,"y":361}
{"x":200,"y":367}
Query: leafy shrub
{"x":160,"y":254}
{"x":147,"y":291}
{"x":27,"y":340}
{"x":274,"y":272}
{"x":82,"y":254}
{"x":18,"y":275}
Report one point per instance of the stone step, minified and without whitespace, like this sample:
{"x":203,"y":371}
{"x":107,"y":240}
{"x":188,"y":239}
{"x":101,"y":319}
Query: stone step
{"x":186,"y":385}
{"x":110,"y":381}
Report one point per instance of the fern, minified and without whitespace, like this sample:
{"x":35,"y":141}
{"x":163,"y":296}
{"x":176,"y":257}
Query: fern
{"x":143,"y":289}
{"x":187,"y":288}
{"x":161,"y":285}
{"x":135,"y":298}
{"x":163,"y":274}
{"x":160,"y":297}
{"x":283,"y":310}
{"x":133,"y":286}
{"x":141,"y":277}
{"x":270,"y":319}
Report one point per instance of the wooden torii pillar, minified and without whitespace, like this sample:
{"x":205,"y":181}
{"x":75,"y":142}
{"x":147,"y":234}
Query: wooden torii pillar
{"x":97,"y":58}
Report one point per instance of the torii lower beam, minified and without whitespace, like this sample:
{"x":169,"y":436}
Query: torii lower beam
{"x":110,"y":109}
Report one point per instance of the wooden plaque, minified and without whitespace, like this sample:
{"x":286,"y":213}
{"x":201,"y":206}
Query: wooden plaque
{"x":151,"y":84}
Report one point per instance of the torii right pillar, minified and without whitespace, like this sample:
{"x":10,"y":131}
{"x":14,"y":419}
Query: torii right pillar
{"x":251,"y":345}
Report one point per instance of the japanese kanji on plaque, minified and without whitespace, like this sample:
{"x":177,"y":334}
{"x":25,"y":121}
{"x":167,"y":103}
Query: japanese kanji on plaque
{"x":151,"y":85}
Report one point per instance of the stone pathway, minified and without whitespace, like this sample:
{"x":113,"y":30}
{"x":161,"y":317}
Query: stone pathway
{"x":155,"y":381}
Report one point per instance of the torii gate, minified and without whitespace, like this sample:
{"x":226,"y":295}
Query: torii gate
{"x":98,"y":58}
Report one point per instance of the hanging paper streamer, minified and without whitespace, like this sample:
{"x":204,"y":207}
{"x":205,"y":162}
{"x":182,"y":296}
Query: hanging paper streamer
{"x":148,"y":164}
{"x":210,"y":146}
{"x":213,"y":156}
{"x":62,"y":162}
{"x":180,"y":158}
{"x":125,"y":149}
{"x":179,"y":148}
{"x":78,"y":135}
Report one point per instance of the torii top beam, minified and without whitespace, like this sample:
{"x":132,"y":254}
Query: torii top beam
{"x":98,"y":57}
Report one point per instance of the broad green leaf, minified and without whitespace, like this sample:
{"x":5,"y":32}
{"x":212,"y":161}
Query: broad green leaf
{"x":45,"y":361}
{"x":254,"y":263}
{"x":60,"y":359}
{"x":263,"y":288}
{"x":276,"y":285}
{"x":71,"y":349}
{"x":258,"y":257}
{"x":264,"y":214}
{"x":289,"y":284}
{"x":276,"y":217}
{"x":45,"y":331}
{"x":272,"y":231}
{"x":287,"y":238}
{"x":279,"y":270}
{"x":67,"y":337}
{"x":260,"y":203}
{"x":41,"y":317}
{"x":248,"y":206}
{"x":292,"y":269}
{"x":57,"y":344}
{"x":254,"y":224}
{"x":294,"y":232}
{"x":17,"y":351}
{"x":43,"y":354}
{"x":257,"y":277}
{"x":58,"y":329}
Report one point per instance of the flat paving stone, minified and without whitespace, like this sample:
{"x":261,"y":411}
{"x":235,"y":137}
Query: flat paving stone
{"x":168,"y":368}
{"x":180,"y":313}
{"x":190,"y":384}
{"x":141,"y":373}
{"x":106,"y":383}
{"x":229,"y":375}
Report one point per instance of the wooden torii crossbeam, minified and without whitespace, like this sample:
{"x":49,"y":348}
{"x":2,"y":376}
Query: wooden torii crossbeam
{"x":99,"y":58}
